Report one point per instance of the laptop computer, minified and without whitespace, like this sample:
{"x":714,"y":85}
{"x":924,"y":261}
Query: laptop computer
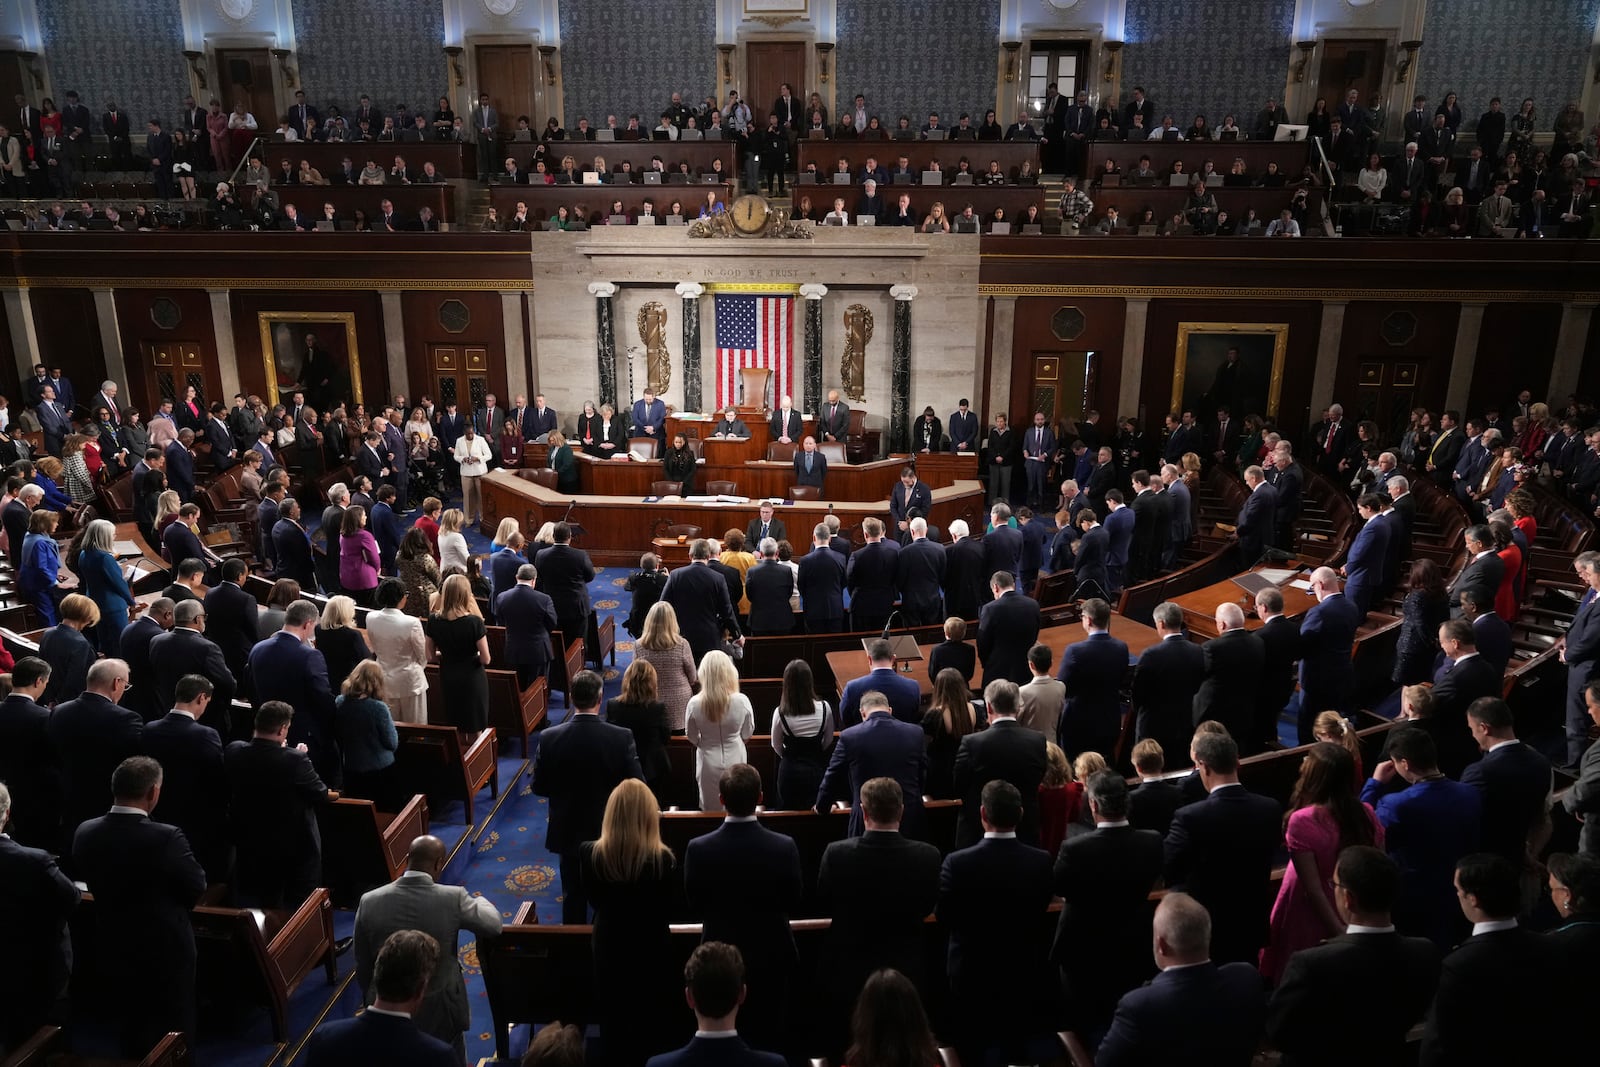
{"x":816,"y":135}
{"x":1110,"y":181}
{"x":933,"y":177}
{"x":677,"y":179}
{"x":710,"y":135}
{"x":1228,"y":135}
{"x":551,"y":224}
{"x":616,"y":220}
{"x":966,"y":227}
{"x":806,"y":177}
{"x":324,"y":224}
{"x":710,"y":177}
{"x":840,"y":179}
{"x":961,"y":179}
{"x":647,"y":220}
{"x":660,"y":135}
{"x":591,"y":177}
{"x":577,"y":224}
{"x":674,"y":220}
{"x":1002,"y":228}
{"x":833,"y":220}
{"x":1178,"y":181}
{"x":347,"y":224}
{"x":935,"y":135}
{"x":1147,"y":230}
{"x":866,"y":220}
{"x":905,"y":135}
{"x":16,"y":224}
{"x":1032,"y":230}
{"x":690,"y":135}
{"x":605,"y":135}
{"x":652,"y":177}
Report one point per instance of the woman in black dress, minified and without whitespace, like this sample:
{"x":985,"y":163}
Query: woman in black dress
{"x":459,"y":642}
{"x":802,"y":738}
{"x":678,"y":463}
{"x":638,"y":709}
{"x":1425,"y":607}
{"x":949,"y":718}
{"x":634,"y":884}
{"x":340,"y":643}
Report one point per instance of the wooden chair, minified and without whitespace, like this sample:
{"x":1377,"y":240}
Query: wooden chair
{"x":363,"y":848}
{"x":834,"y":452}
{"x":116,"y":499}
{"x":681,"y":529}
{"x":647,"y":447}
{"x":264,"y":963}
{"x":543,"y":476}
{"x":431,"y":760}
{"x":666,"y":488}
{"x":753,"y":384}
{"x":513,"y":711}
{"x":778,"y":452}
{"x":722,"y":488}
{"x":804,"y":492}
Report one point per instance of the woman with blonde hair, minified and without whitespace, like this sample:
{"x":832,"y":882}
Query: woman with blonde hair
{"x":453,"y":550}
{"x":401,"y":649}
{"x":458,"y":640}
{"x":342,"y":645}
{"x":936,"y":222}
{"x":735,"y":555}
{"x":367,"y":737}
{"x":503,"y":532}
{"x":67,"y":650}
{"x":167,"y":505}
{"x":635,"y":885}
{"x":1060,"y":798}
{"x":544,"y":538}
{"x":1331,"y":726}
{"x":665,"y":649}
{"x":720,"y":721}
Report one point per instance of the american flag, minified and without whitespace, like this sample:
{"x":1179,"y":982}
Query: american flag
{"x":754,"y":331}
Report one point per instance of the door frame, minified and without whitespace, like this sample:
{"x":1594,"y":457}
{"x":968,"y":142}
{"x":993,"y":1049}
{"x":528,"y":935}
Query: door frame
{"x":224,"y":42}
{"x":1392,"y":91}
{"x":1095,"y":60}
{"x":547,"y":99}
{"x":741,"y":60}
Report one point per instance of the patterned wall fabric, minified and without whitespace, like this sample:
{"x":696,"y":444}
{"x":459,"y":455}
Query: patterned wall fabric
{"x":130,"y":51}
{"x":1536,"y":48}
{"x":392,"y":53}
{"x":911,"y":57}
{"x":627,"y":57}
{"x":1214,"y":57}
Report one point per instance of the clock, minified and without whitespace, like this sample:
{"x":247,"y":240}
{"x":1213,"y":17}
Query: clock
{"x":750,"y":215}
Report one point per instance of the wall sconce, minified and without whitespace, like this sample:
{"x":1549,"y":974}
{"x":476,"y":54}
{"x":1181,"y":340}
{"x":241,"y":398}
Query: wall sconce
{"x":1306,"y":48}
{"x":1012,"y":48}
{"x":453,"y":51}
{"x":196,"y":67}
{"x":288,"y":72}
{"x":1113,"y":50}
{"x":1404,"y":68}
{"x":547,"y":54}
{"x":824,"y":50}
{"x":28,"y":59}
{"x":727,"y":61}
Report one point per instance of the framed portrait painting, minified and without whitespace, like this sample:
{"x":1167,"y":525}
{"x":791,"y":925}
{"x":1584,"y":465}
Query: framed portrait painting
{"x":313,"y":352}
{"x":1237,"y":365}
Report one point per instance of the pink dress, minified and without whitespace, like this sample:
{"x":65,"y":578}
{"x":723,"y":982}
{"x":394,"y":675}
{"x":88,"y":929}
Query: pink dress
{"x":1296,"y":923}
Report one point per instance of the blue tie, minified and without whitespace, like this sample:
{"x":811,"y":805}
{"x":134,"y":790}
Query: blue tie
{"x":808,"y":462}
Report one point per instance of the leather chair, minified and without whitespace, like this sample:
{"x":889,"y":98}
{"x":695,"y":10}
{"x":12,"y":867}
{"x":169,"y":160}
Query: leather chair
{"x":804,"y":492}
{"x":754,"y":382}
{"x":665,"y":488}
{"x":648,"y":447}
{"x":834,"y":453}
{"x":697,"y":446}
{"x":681,"y":529}
{"x":544,"y":476}
{"x":778,"y":452}
{"x":722,"y":488}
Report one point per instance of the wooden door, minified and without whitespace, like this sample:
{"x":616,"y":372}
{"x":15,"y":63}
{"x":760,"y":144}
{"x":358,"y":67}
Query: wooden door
{"x":768,"y":64}
{"x":1386,"y":391}
{"x":246,"y":74}
{"x":506,"y":73}
{"x":1061,"y":384}
{"x":1351,"y":64}
{"x":11,"y":83}
{"x":172,"y":366}
{"x":459,"y":374}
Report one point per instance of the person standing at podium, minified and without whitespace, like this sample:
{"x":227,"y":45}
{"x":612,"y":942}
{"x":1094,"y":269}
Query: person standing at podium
{"x":810,"y":466}
{"x":785,"y":423}
{"x":731,"y":426}
{"x":649,"y":416}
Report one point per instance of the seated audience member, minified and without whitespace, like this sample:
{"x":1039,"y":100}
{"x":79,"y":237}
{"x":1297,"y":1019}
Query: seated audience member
{"x":386,"y":1031}
{"x":1195,"y":1010}
{"x":1377,"y":982}
{"x":714,"y":986}
{"x":1284,"y":225}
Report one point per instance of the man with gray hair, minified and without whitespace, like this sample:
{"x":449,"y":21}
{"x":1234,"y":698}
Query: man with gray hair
{"x":1484,"y":568}
{"x":1257,"y":524}
{"x":1165,"y":682}
{"x":1104,"y":880}
{"x":1327,"y":641}
{"x":1194,"y":1010}
{"x":1233,"y":663}
{"x":1006,"y":750}
{"x":1181,"y":526}
{"x":15,"y":519}
{"x":33,"y":927}
{"x":769,"y":585}
{"x":92,"y":734}
{"x":1402,"y":512}
{"x":327,"y":557}
{"x":134,"y":647}
{"x":966,"y":582}
{"x":529,"y":616}
{"x":186,"y":650}
{"x":919,"y":575}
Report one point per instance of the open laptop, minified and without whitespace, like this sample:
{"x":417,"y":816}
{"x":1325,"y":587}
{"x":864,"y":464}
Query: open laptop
{"x":833,"y":220}
{"x":806,"y":177}
{"x":691,"y":135}
{"x":677,"y":179}
{"x":816,"y":135}
{"x":347,"y":224}
{"x":933,"y":177}
{"x":935,"y":135}
{"x":652,"y":177}
{"x":1178,"y":181}
{"x":1110,"y":181}
{"x":965,"y":227}
{"x":647,"y":220}
{"x":616,"y":220}
{"x":866,"y":220}
{"x":660,"y":135}
{"x":605,"y":135}
{"x":961,"y":179}
{"x":1147,"y":230}
{"x":1031,"y":230}
{"x":1002,"y":228}
{"x":839,"y":179}
{"x":324,"y":224}
{"x":711,"y":177}
{"x":674,"y":220}
{"x":591,"y":177}
{"x":710,"y":135}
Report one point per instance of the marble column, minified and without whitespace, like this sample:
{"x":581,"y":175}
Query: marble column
{"x":1005,"y":332}
{"x":691,"y":293}
{"x":605,"y":339}
{"x":813,"y":293}
{"x":516,"y":346}
{"x":1136,"y":313}
{"x":105,"y":313}
{"x":222,"y":327}
{"x":1465,"y":358}
{"x":24,"y":338}
{"x":394,"y":345}
{"x":1570,"y":342}
{"x":900,"y":370}
{"x":1329,"y":338}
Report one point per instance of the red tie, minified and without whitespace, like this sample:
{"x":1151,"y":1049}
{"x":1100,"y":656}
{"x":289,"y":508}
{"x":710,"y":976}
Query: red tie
{"x":1328,"y":445}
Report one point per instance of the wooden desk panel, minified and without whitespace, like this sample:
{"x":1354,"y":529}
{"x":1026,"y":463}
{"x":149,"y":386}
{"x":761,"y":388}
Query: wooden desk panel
{"x":1290,"y":156}
{"x":1200,"y":608}
{"x":543,"y":200}
{"x":983,"y":198}
{"x":1167,"y":201}
{"x":698,"y":154}
{"x":939,"y":469}
{"x":729,"y":450}
{"x":446,"y":157}
{"x":1009,"y":154}
{"x":860,"y":482}
{"x":408,"y":200}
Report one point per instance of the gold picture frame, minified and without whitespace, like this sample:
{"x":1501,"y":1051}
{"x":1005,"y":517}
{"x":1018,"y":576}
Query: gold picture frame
{"x":1202,"y":347}
{"x":282,"y":343}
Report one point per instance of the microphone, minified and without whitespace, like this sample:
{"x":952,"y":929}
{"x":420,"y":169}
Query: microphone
{"x":570,"y":505}
{"x":889,"y":624}
{"x":1085,"y":584}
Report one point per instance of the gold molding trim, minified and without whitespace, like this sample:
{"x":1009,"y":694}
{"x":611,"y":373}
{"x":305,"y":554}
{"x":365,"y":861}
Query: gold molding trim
{"x":1278,"y":331}
{"x":268,"y":319}
{"x":1321,"y":296}
{"x":754,"y":287}
{"x":78,"y":281}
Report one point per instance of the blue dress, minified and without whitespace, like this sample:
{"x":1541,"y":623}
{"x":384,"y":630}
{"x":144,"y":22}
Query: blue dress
{"x":104,"y":584}
{"x":41,"y":567}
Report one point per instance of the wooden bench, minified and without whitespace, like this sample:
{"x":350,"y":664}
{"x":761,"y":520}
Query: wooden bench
{"x":514,"y":712}
{"x":48,"y":1048}
{"x":262,"y":961}
{"x":566,"y":665}
{"x":363,"y":848}
{"x":432,"y":760}
{"x":680,"y":790}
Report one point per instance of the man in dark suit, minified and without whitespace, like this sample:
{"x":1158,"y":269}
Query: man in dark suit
{"x":877,"y":887}
{"x":1514,"y":779}
{"x":1038,"y":450}
{"x":966,"y":580}
{"x":1165,"y":683}
{"x":1335,"y":442}
{"x":274,"y":796}
{"x":186,"y":650}
{"x":1091,"y":568}
{"x":714,"y":986}
{"x":91,"y":736}
{"x":1221,"y":850}
{"x":36,"y":900}
{"x":1234,"y":660}
{"x":1465,"y":677}
{"x":810,"y":465}
{"x":539,"y":420}
{"x":144,"y":880}
{"x":785,"y":423}
{"x":1490,"y":633}
{"x":992,"y":895}
{"x":1002,"y":545}
{"x":29,"y":762}
{"x":1484,"y":569}
{"x":134,"y":648}
{"x":833,"y":422}
{"x":1092,"y":670}
{"x":1365,"y":565}
{"x":909,"y":494}
{"x":1006,"y":750}
{"x":1580,"y":652}
{"x":963,"y":428}
{"x":821,"y":584}
{"x":769,"y":585}
{"x":286,"y":667}
{"x":1153,"y":802}
{"x":180,"y":464}
{"x":1503,"y":964}
{"x":230,"y":618}
{"x":1104,"y":880}
{"x":1377,"y":982}
{"x":565,"y":573}
{"x":919,"y":575}
{"x":1119,"y":539}
{"x":194,"y":790}
{"x":869,"y":578}
{"x":879,"y":746}
{"x":1007,"y":627}
{"x":386,"y":1032}
{"x":1327,"y":637}
{"x":1102,"y":480}
{"x":1257,"y":524}
{"x":1288,"y":481}
{"x":372,"y":458}
{"x":1196,"y":1010}
{"x":291,"y":546}
{"x":502,"y":566}
{"x":763,"y":527}
{"x":1152,"y":520}
{"x":1280,"y":642}
{"x":528,"y":616}
{"x":903,"y":694}
{"x":15,"y":520}
{"x":699,"y":595}
{"x":114,"y":123}
{"x":744,"y":880}
{"x":577,"y":765}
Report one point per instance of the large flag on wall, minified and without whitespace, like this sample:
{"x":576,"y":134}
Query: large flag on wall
{"x":754,"y":330}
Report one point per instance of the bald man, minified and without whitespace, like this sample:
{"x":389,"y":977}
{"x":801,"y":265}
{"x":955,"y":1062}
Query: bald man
{"x":415,"y":901}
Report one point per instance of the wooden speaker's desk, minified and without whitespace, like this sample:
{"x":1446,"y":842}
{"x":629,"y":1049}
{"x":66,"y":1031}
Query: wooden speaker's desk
{"x":860,"y":482}
{"x":1200,"y":607}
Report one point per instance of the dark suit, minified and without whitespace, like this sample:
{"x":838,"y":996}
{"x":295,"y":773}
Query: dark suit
{"x":1493,"y":639}
{"x":1367,"y":563}
{"x":817,"y":472}
{"x":1092,"y":567}
{"x":180,"y":470}
{"x":231,"y":622}
{"x":292,"y":553}
{"x":1377,"y":985}
{"x":966,"y":582}
{"x":1007,"y":628}
{"x":144,"y":880}
{"x":1280,"y":641}
{"x":1257,"y":524}
{"x":1458,"y":684}
{"x":700,"y":597}
{"x":1327,"y":637}
{"x":564,"y":574}
{"x":503,"y":566}
{"x":877,"y":888}
{"x":30,"y":767}
{"x":790,"y":427}
{"x":1165,"y":685}
{"x":718,"y":1052}
{"x":1002,"y":551}
{"x":768,"y":585}
{"x":869,"y":578}
{"x":1510,"y":969}
{"x":1102,"y":479}
{"x":963,"y":431}
{"x":1583,"y":651}
{"x":753,"y":533}
{"x":902,"y":501}
{"x":927,"y":435}
{"x":1233,"y":663}
{"x":90,"y":735}
{"x":15,"y":520}
{"x":1152,"y":521}
{"x":1092,"y":670}
{"x":1006,"y":750}
{"x":1102,"y":941}
{"x":1206,"y":1014}
{"x":283,"y":668}
{"x":919,"y":574}
{"x":880,"y":747}
{"x":956,"y":655}
{"x":1221,"y":852}
{"x":184,"y":651}
{"x":904,"y":695}
{"x":1515,"y":782}
{"x":528,"y":617}
{"x":275,"y":793}
{"x":1151,"y":805}
{"x":36,"y":900}
{"x":577,"y":765}
{"x":1482,"y":575}
{"x":821,"y":584}
{"x":194,"y":786}
{"x":374,"y":1038}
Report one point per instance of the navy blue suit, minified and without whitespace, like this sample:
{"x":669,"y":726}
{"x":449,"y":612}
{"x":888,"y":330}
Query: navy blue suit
{"x":966,"y":586}
{"x":194,"y":786}
{"x":1583,"y":650}
{"x":821,"y":585}
{"x":291,"y":551}
{"x":817,"y":472}
{"x":705,"y":611}
{"x":1168,"y":676}
{"x":1007,"y":628}
{"x":1002,"y":551}
{"x":919,"y":574}
{"x":528,"y":617}
{"x":577,"y":765}
{"x":387,"y":530}
{"x":1220,"y":851}
{"x":1207,"y":1014}
{"x":180,"y":470}
{"x":905,"y":696}
{"x":716,"y":1052}
{"x":1327,"y":637}
{"x":1119,"y":533}
{"x":880,"y":747}
{"x":1366,"y":564}
{"x":285,"y":668}
{"x":869,"y":576}
{"x":1515,"y":781}
{"x":1428,"y":827}
{"x":1257,"y":524}
{"x":963,"y":431}
{"x":90,"y":735}
{"x":535,"y":425}
{"x":1092,"y":670}
{"x":901,"y":502}
{"x":1493,"y":639}
{"x":374,"y":1038}
{"x":503,"y":566}
{"x":1093,"y":562}
{"x":1006,"y":750}
{"x":36,"y":900}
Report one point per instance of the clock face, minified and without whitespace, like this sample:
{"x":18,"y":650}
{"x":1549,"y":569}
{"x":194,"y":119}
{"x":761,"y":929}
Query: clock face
{"x":750,"y":214}
{"x":501,"y":8}
{"x":237,"y":10}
